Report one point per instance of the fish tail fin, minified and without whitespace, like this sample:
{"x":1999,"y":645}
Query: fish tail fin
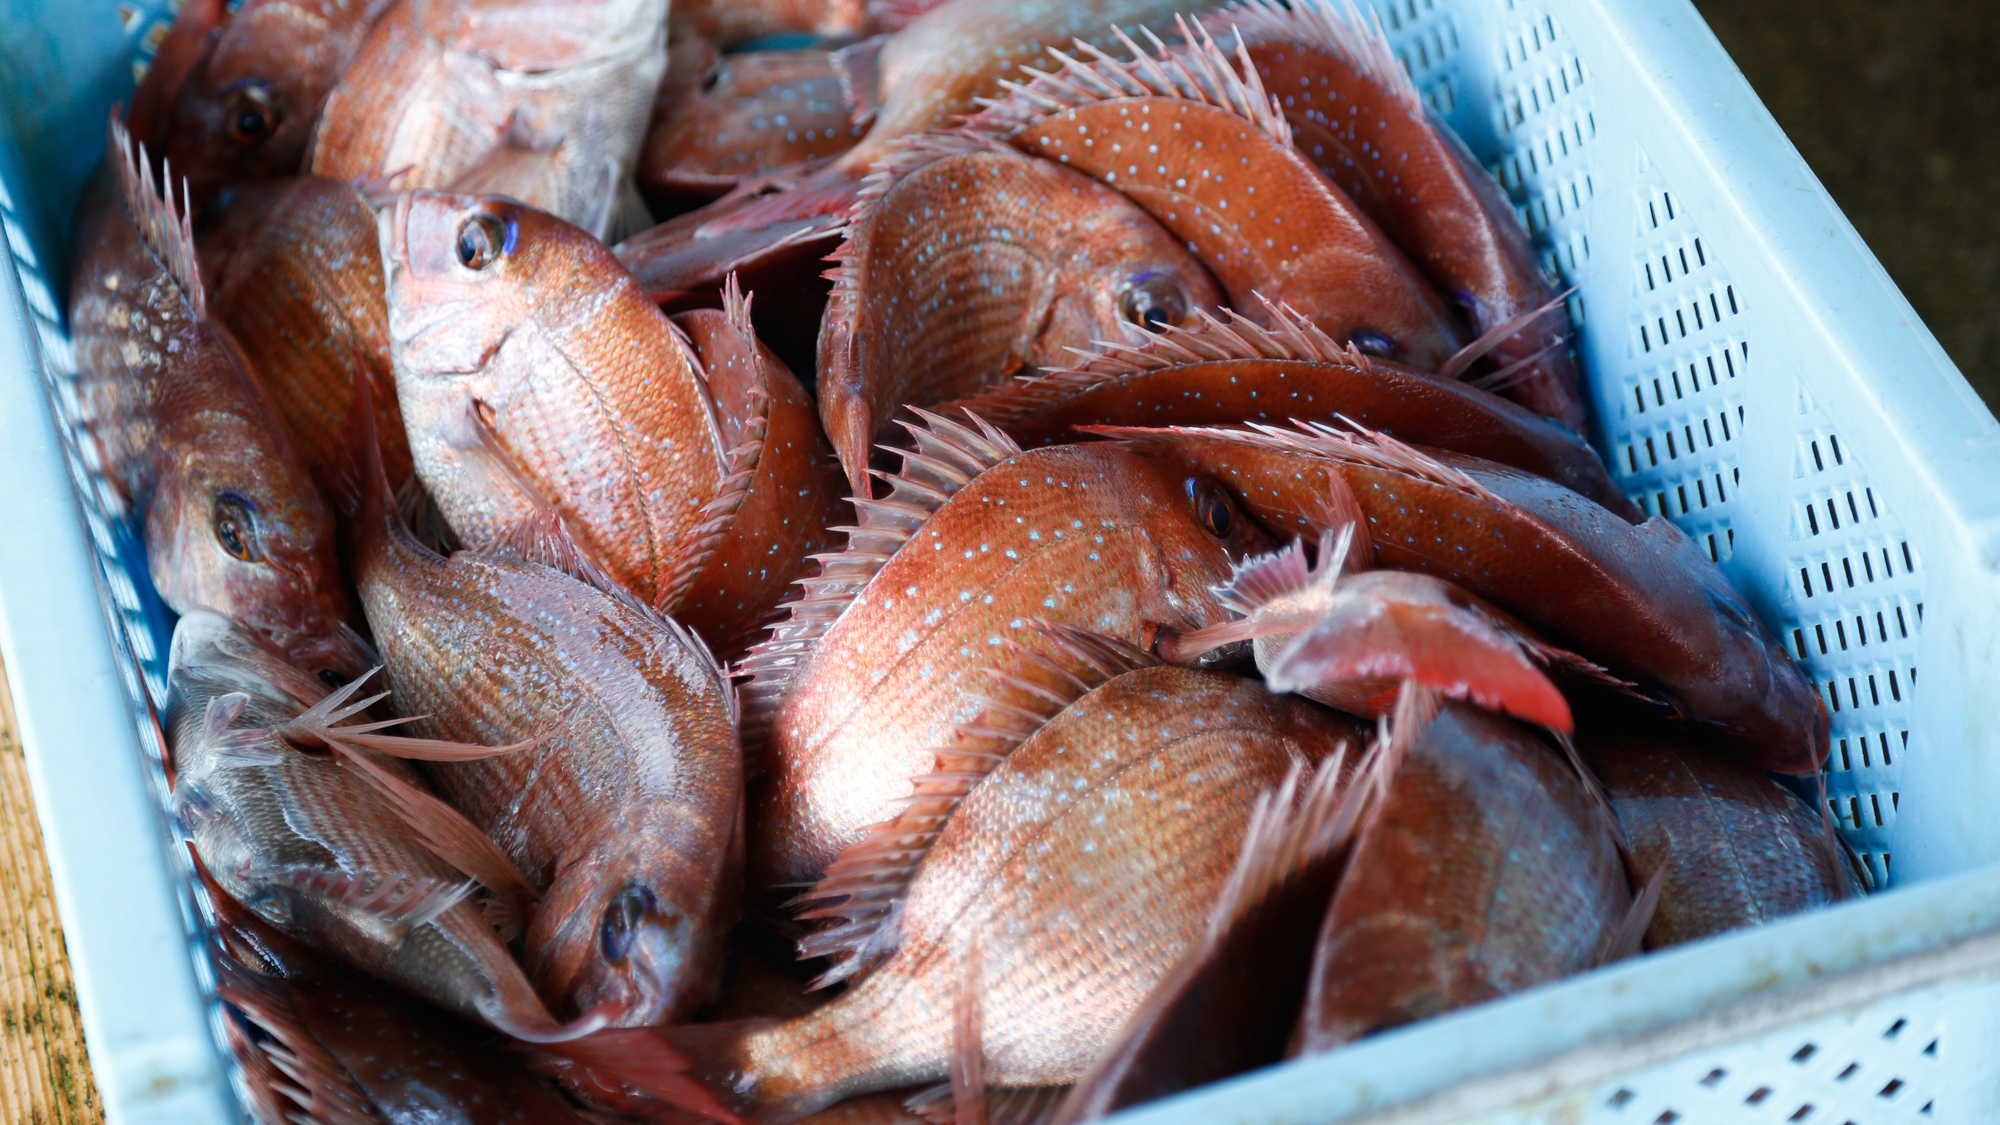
{"x":860,"y":65}
{"x":683,"y":1066}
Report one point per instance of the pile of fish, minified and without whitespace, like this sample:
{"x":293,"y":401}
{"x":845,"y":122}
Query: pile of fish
{"x":1053,"y":576}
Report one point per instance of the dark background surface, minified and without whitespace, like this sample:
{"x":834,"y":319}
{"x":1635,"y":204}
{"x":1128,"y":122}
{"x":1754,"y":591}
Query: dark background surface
{"x":1896,"y":106}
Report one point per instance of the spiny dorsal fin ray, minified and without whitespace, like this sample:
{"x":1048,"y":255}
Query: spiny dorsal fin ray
{"x":1211,"y":339}
{"x":1358,"y":446}
{"x":1199,"y":71}
{"x":864,"y":886}
{"x":165,"y":230}
{"x":1356,"y":40}
{"x":1291,"y":828}
{"x":947,"y":456}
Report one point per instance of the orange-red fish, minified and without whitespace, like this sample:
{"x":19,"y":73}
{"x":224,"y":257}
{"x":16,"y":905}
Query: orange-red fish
{"x":1484,"y":869}
{"x":625,"y":812}
{"x":1203,"y":151}
{"x":544,"y":102}
{"x":747,"y":115}
{"x":1643,"y":600}
{"x":974,"y":541}
{"x":1234,"y":370}
{"x":784,"y":513}
{"x":307,"y":841}
{"x":727,"y":23}
{"x":1736,"y":849}
{"x":532,"y":370}
{"x":971,"y":263}
{"x":231,"y":520}
{"x":1359,"y":118}
{"x":295,"y":271}
{"x":1062,"y":888}
{"x":248,"y":110}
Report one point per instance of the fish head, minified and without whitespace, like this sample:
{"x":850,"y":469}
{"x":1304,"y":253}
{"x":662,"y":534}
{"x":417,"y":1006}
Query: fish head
{"x":466,"y":273}
{"x":639,"y":929}
{"x":1125,"y":276}
{"x":249,"y":109}
{"x":249,"y":535}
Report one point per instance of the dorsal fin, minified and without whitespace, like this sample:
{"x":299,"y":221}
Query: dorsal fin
{"x":1356,"y":41}
{"x":165,"y":230}
{"x":1358,"y":446}
{"x":1290,"y":336}
{"x":864,"y":886}
{"x":1198,"y":71}
{"x":947,"y":456}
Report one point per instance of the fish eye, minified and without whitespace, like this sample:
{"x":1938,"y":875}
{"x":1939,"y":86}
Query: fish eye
{"x":482,"y":240}
{"x":234,"y":523}
{"x":1211,"y":507}
{"x":622,"y":916}
{"x":252,"y":113}
{"x":1153,"y":302}
{"x":1373,"y":343}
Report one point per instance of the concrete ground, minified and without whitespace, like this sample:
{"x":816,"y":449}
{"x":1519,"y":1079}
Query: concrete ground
{"x":1896,"y":105}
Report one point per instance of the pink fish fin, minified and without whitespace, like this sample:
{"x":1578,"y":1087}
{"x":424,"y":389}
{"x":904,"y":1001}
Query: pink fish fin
{"x":821,"y":201}
{"x":716,"y":517}
{"x":860,"y":68}
{"x":864,"y":885}
{"x":1200,"y":71}
{"x":895,"y":15}
{"x":1629,"y":936}
{"x":968,"y":1040}
{"x":683,"y":1067}
{"x":446,"y":833}
{"x":1258,"y":582}
{"x":947,"y":455}
{"x":165,"y":230}
{"x":1463,"y":359}
{"x":293,"y":1078}
{"x":335,"y":707}
{"x":1350,"y":37}
{"x":1398,"y":732}
{"x":1442,"y":646}
{"x":1499,"y":382}
{"x":356,"y":481}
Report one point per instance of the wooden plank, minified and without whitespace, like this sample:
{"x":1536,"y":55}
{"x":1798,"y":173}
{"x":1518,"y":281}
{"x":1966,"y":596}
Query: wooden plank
{"x":44,"y":1073}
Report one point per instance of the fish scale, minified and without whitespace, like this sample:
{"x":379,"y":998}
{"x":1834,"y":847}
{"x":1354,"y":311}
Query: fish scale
{"x":1081,"y":535}
{"x":1080,"y":868}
